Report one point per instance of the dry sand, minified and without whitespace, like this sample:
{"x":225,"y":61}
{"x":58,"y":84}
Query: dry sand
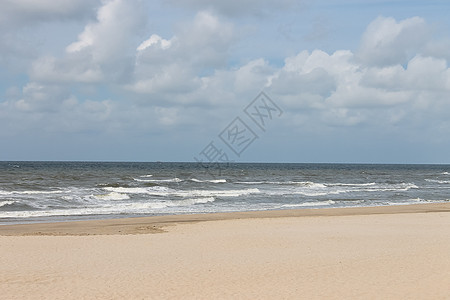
{"x":400,"y":252}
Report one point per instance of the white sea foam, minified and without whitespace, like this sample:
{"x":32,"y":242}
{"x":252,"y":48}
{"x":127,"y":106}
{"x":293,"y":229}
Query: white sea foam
{"x":351,"y":184}
{"x":218,"y":180}
{"x":307,"y":183}
{"x":310,"y":184}
{"x":37,"y":192}
{"x":154,"y":190}
{"x":417,"y":199}
{"x":317,"y":189}
{"x":117,"y":208}
{"x":164,"y":191}
{"x":381,"y":187}
{"x":190,"y":201}
{"x":298,"y":183}
{"x":212,"y":180}
{"x":31,"y":192}
{"x":141,"y":180}
{"x":113,"y":196}
{"x":318,"y":203}
{"x":127,"y":190}
{"x":216,"y":193}
{"x":312,"y":194}
{"x":159,"y":180}
{"x":66,"y":212}
{"x":389,"y":203}
{"x":401,"y":187}
{"x":411,"y":201}
{"x":300,"y":191}
{"x":438,"y":181}
{"x":4,"y":203}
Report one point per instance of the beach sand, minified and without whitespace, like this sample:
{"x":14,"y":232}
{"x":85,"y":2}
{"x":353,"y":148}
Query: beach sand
{"x":395,"y":252}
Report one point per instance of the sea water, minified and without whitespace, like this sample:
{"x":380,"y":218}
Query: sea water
{"x":58,"y":191}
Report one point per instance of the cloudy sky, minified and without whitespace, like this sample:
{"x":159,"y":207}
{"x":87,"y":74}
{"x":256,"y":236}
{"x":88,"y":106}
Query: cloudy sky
{"x":130,"y":80}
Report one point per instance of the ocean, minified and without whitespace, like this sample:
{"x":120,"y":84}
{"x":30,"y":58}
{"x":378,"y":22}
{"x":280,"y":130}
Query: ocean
{"x":61,"y":191}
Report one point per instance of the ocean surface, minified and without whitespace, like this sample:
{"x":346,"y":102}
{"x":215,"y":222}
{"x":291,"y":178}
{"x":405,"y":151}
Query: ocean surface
{"x":59,"y":191}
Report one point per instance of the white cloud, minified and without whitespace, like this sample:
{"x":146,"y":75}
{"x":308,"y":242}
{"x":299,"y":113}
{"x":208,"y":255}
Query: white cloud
{"x":339,"y":89}
{"x":255,"y":74}
{"x":388,"y":42}
{"x":438,"y":48}
{"x":85,"y":39}
{"x":389,"y":82}
{"x":109,"y":36}
{"x":22,"y":20}
{"x":40,"y":98}
{"x":72,"y":69}
{"x":206,"y":40}
{"x":421,"y":73}
{"x":175,"y":65}
{"x":166,"y":81}
{"x":154,"y":40}
{"x":103,"y":51}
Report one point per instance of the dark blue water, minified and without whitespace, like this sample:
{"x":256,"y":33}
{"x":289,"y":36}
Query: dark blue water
{"x":54,"y":191}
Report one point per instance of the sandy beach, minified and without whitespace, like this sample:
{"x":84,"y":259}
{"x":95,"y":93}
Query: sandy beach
{"x":395,"y":252}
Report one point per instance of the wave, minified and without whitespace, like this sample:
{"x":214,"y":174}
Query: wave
{"x":164,"y":191}
{"x":191,"y":201}
{"x":317,"y":194}
{"x":30,"y":192}
{"x":121,"y":208}
{"x":11,"y":205}
{"x":306,"y":183}
{"x":155,"y":190}
{"x":317,"y":189}
{"x":113,"y":196}
{"x":142,"y":180}
{"x":438,"y":181}
{"x":37,"y":192}
{"x":212,"y":181}
{"x":315,"y":185}
{"x":421,"y":200}
{"x":217,"y":193}
{"x":414,"y":201}
{"x":180,"y":180}
{"x":351,"y":184}
{"x":159,"y":180}
{"x":6,"y":203}
{"x":298,"y":183}
{"x":295,"y":183}
{"x":310,"y":184}
{"x":318,"y":203}
{"x":392,"y":187}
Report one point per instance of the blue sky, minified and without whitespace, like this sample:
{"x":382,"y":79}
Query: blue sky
{"x":357,"y":81}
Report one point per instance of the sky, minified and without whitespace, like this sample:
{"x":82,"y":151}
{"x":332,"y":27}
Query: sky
{"x":343,"y":81}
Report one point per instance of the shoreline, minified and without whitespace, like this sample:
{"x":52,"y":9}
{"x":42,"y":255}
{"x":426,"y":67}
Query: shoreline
{"x":158,"y":224}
